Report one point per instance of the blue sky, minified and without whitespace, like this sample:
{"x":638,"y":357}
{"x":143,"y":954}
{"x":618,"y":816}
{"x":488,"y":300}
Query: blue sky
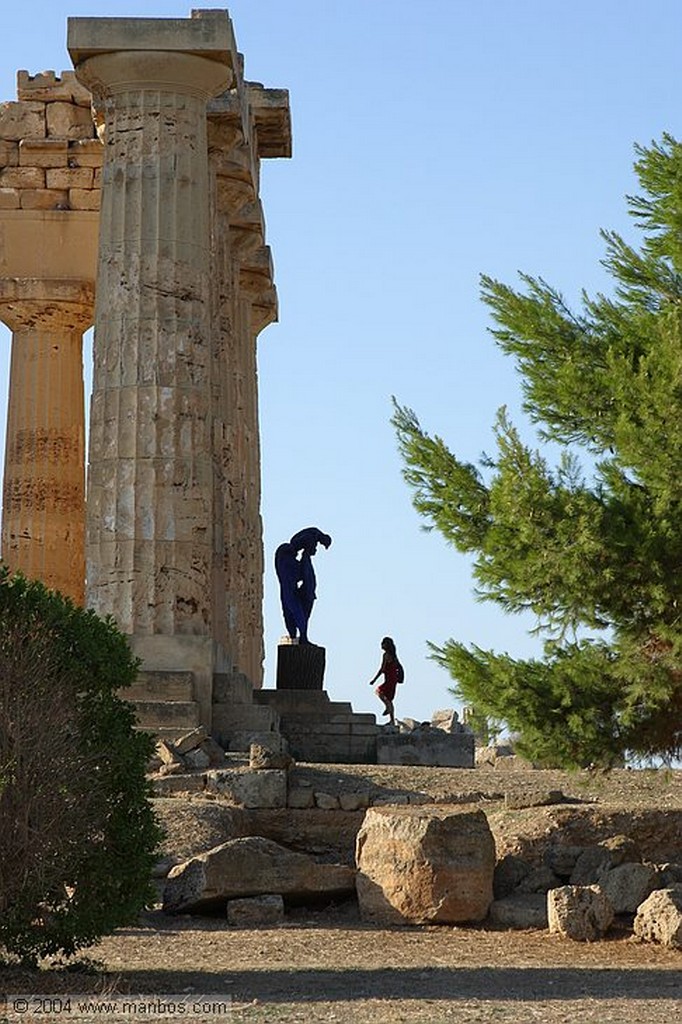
{"x":433,"y":141}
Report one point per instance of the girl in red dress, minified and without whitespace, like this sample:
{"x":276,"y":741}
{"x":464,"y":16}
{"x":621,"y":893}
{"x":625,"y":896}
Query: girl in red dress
{"x":392,"y":671}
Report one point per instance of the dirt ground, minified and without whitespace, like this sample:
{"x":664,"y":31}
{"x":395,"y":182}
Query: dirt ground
{"x":326,"y":965}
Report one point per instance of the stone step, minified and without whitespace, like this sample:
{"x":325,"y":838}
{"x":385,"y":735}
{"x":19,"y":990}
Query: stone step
{"x":162,"y":686}
{"x":349,"y":727}
{"x":236,"y":717}
{"x":179,"y":715}
{"x":333,"y":749}
{"x":232,"y":688}
{"x":285,"y":700}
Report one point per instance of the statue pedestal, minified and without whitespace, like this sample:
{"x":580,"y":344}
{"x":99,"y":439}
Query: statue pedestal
{"x":300,"y":667}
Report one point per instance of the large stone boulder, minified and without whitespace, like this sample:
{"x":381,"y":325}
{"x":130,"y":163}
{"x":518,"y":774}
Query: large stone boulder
{"x":424,"y":864}
{"x":659,"y":918}
{"x":251,"y":866}
{"x":579,"y":912}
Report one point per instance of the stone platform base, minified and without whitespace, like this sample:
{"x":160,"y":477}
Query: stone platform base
{"x":321,"y":731}
{"x":432,"y":747}
{"x":300,"y":666}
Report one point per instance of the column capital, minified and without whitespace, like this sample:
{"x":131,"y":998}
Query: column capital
{"x":194,"y":55}
{"x":47,"y":305}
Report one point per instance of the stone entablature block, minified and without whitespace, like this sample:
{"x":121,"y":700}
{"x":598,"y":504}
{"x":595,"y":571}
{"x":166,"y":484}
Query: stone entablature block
{"x":49,"y":149}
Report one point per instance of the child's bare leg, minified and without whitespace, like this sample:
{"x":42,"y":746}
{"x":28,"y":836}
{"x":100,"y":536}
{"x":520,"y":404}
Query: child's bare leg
{"x":390,"y":709}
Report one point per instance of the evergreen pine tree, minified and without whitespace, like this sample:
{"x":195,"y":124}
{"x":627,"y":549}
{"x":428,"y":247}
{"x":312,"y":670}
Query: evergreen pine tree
{"x":596,"y":556}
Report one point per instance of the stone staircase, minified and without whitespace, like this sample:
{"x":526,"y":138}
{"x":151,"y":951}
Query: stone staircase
{"x":320,"y":730}
{"x":238,"y":720}
{"x":164,"y":702}
{"x":165,"y":706}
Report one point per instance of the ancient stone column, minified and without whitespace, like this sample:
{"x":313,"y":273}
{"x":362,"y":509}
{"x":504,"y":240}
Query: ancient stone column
{"x":44,"y":482}
{"x":154,"y":560}
{"x":244,"y":124}
{"x":49,"y":194}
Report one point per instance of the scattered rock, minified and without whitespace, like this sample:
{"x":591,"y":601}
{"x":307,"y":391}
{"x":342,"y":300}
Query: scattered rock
{"x":537,"y":798}
{"x":510,"y":871}
{"x":579,"y":912}
{"x":538,"y":880}
{"x":519,"y":911}
{"x":193,"y":826}
{"x":561,"y":858}
{"x":190,"y":740}
{"x":628,"y":885}
{"x":447,"y":720}
{"x":659,"y":918}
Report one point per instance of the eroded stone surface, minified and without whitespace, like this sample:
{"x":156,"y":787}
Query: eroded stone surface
{"x":251,"y":866}
{"x":579,"y":912}
{"x":659,"y":917}
{"x":424,"y":864}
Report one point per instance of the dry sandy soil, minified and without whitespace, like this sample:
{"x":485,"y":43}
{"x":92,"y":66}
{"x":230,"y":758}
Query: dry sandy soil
{"x":326,"y":965}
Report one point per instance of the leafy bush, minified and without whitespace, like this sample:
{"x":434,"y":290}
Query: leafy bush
{"x":77,"y":832}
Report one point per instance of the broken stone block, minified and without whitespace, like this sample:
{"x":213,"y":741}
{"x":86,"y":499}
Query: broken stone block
{"x":264,"y":788}
{"x":255,"y":911}
{"x":628,"y":885}
{"x":579,"y":912}
{"x":424,"y":865}
{"x":520,"y":910}
{"x":197,"y":758}
{"x":251,"y":866}
{"x":214,"y":752}
{"x":659,"y":918}
{"x":68,"y":121}
{"x":447,"y":719}
{"x":426,"y":747}
{"x":261,"y":757}
{"x":190,"y":740}
{"x":22,"y":120}
{"x":166,"y":753}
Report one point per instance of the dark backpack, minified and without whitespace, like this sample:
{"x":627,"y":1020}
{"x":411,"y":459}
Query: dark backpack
{"x":401,"y":673}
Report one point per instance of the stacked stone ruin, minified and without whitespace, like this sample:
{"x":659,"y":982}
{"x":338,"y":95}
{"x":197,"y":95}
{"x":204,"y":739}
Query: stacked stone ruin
{"x":129,"y":200}
{"x":158,"y":127}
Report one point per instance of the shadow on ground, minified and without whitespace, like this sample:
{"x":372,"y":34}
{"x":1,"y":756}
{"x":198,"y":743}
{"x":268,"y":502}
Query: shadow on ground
{"x":489,"y":983}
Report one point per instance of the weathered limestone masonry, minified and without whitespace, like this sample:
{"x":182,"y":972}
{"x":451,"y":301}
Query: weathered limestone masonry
{"x":50,"y":163}
{"x":245,"y":124}
{"x":174,"y":532}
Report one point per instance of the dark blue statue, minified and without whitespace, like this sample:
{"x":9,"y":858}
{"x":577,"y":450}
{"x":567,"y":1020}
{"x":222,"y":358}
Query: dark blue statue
{"x":294,"y":568}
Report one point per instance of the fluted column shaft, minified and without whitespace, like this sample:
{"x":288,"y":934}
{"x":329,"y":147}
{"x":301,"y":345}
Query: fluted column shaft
{"x":152,"y":551}
{"x":44,"y":480}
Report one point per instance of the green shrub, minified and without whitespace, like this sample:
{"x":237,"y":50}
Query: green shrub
{"x":78,"y":835}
